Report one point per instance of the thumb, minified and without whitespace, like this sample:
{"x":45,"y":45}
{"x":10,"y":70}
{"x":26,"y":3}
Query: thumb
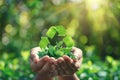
{"x":33,"y":54}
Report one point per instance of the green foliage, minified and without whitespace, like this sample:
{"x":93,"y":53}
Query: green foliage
{"x":61,"y":30}
{"x":98,"y":70}
{"x":56,"y":29}
{"x":15,"y":68}
{"x":18,"y":68}
{"x":68,"y":41}
{"x":51,"y":32}
{"x":44,"y":42}
{"x":57,"y":50}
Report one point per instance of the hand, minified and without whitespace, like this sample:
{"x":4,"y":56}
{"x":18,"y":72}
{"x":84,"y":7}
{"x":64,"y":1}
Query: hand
{"x":67,"y":66}
{"x":43,"y":66}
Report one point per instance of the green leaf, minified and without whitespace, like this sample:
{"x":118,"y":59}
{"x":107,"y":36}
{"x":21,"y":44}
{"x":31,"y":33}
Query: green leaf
{"x":61,"y":30}
{"x":41,"y":54}
{"x":59,"y":53}
{"x":71,"y":55}
{"x":51,"y":50}
{"x":66,"y":49}
{"x":59,"y":44}
{"x":68,"y":41}
{"x":44,"y":42}
{"x":51,"y":32}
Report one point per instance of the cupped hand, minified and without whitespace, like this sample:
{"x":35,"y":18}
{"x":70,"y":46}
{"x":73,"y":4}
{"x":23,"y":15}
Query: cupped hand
{"x":67,"y":66}
{"x":43,"y":66}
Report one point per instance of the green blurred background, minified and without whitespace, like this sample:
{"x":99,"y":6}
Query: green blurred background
{"x":93,"y":24}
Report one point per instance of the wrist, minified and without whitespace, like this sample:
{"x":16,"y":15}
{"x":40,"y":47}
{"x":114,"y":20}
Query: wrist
{"x":68,"y":77}
{"x":43,"y":77}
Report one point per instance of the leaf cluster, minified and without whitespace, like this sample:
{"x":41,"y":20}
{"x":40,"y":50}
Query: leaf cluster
{"x":62,"y":47}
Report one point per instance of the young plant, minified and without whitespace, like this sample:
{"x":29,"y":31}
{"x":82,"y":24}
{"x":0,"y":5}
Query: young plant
{"x":63,"y":47}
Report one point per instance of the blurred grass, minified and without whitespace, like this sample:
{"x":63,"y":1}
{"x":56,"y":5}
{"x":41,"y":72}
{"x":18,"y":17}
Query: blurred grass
{"x":18,"y":68}
{"x":15,"y":68}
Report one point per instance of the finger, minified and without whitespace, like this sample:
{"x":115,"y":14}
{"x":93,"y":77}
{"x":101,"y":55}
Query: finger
{"x":77,"y":52}
{"x":46,"y":59}
{"x":42,"y":61}
{"x":57,"y":68}
{"x":53,"y":71}
{"x":37,"y":66}
{"x":33,"y":54}
{"x":33,"y":66}
{"x":59,"y":65}
{"x":70,"y":63}
{"x":78,"y":63}
{"x":53,"y":59}
{"x":36,"y":59}
{"x":46,"y":68}
{"x":65,"y":69}
{"x":67,"y":58}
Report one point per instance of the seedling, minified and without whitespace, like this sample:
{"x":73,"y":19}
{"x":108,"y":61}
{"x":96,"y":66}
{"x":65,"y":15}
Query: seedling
{"x":62,"y":47}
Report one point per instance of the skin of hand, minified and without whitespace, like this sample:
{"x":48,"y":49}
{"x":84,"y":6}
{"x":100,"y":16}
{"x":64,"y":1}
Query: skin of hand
{"x":44,"y":67}
{"x":66,"y":67}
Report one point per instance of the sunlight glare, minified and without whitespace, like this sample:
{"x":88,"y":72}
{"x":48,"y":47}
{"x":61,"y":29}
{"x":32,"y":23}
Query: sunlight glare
{"x":93,"y":4}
